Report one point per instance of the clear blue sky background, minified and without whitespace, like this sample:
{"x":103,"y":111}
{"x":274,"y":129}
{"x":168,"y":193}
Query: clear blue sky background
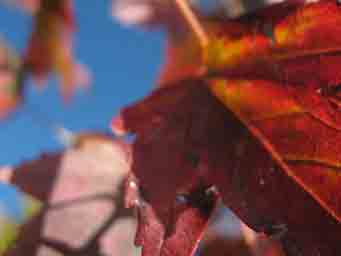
{"x":124,"y":63}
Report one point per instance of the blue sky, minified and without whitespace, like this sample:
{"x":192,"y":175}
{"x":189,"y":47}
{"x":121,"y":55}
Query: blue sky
{"x":124,"y":63}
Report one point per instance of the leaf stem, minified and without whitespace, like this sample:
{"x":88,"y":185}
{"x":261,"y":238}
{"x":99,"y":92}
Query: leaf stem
{"x":193,"y":22}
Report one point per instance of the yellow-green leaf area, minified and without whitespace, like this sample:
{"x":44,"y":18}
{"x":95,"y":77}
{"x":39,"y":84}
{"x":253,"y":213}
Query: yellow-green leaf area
{"x":254,"y":100}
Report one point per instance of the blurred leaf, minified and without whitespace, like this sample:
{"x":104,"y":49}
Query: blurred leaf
{"x":51,"y":47}
{"x":81,"y":189}
{"x":16,"y":208}
{"x":11,"y":84}
{"x":31,"y":6}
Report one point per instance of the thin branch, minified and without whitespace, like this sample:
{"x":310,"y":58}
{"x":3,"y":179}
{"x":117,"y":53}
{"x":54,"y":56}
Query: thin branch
{"x":193,"y":22}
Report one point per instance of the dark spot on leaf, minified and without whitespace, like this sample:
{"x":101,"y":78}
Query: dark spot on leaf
{"x":268,"y":31}
{"x":203,"y":200}
{"x":143,"y":194}
{"x":333,"y":94}
{"x":272,"y":229}
{"x":193,"y":159}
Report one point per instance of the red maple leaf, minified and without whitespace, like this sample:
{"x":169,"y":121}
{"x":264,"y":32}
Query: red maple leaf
{"x":256,"y":115}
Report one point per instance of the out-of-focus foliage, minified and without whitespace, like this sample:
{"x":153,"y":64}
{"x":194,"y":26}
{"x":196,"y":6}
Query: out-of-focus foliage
{"x":81,"y":189}
{"x":49,"y":50}
{"x":16,"y":208}
{"x":11,"y":83}
{"x":51,"y":46}
{"x":146,"y":11}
